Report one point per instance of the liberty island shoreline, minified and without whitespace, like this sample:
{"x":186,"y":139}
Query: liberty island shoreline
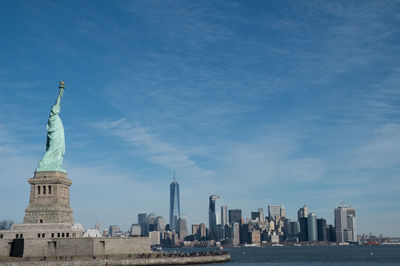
{"x":173,"y":258}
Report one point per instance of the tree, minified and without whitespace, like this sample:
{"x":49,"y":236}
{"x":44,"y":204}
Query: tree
{"x":6,"y":224}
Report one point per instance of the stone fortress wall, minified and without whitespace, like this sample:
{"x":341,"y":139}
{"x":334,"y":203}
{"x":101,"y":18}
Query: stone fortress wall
{"x":74,"y":247}
{"x":48,"y":230}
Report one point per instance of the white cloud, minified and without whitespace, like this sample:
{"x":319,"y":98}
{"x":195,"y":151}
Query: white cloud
{"x":272,"y":159}
{"x":153,"y":149}
{"x":380,"y":152}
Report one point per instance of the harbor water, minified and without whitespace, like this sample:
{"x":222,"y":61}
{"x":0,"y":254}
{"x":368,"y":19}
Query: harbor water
{"x":315,"y":255}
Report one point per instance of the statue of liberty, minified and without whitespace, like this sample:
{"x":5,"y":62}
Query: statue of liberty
{"x":55,"y":145}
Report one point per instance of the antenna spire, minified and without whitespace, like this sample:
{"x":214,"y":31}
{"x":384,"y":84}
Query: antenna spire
{"x":174,"y":174}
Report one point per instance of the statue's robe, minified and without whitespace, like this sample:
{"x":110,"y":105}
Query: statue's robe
{"x":55,"y":144}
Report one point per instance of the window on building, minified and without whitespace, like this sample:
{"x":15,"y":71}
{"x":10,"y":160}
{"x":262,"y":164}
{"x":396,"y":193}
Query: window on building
{"x":58,"y":234}
{"x":38,"y":190}
{"x":38,"y":235}
{"x":1,"y":235}
{"x":49,"y":189}
{"x":52,"y":234}
{"x":43,"y":235}
{"x":16,"y":235}
{"x":63,"y":235}
{"x":41,"y":221}
{"x":44,"y":189}
{"x":21,"y":235}
{"x":67,"y":234}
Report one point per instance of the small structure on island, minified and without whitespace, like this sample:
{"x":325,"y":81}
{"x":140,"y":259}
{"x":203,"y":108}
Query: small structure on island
{"x":92,"y":233}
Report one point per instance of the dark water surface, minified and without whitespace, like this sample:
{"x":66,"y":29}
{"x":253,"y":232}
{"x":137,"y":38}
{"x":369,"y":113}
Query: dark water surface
{"x":315,"y":255}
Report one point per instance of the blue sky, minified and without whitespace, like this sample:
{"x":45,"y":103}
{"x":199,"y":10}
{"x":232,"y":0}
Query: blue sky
{"x":260,"y":102}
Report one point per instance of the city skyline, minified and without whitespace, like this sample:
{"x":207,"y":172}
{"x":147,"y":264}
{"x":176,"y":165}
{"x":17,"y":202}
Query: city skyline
{"x":258,"y":230}
{"x":260,"y":103}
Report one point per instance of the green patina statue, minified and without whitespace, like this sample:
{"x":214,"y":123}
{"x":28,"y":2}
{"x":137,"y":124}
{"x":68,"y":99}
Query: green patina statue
{"x":55,"y":145}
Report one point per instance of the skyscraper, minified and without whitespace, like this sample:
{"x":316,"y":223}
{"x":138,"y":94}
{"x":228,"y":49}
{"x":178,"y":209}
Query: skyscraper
{"x":351,"y":211}
{"x":345,"y":224}
{"x":351,"y":227}
{"x":322,"y":230}
{"x":113,"y":230}
{"x":135,"y":230}
{"x":255,"y":216}
{"x":235,"y":233}
{"x":224,"y":221}
{"x":202,"y":232}
{"x":142,"y":221}
{"x":212,"y":217}
{"x":174,"y":207}
{"x":351,"y":223}
{"x":283,"y":212}
{"x":274,"y":213}
{"x":182,"y":228}
{"x":261,"y":211}
{"x":294,"y":229}
{"x":312,"y":227}
{"x":159,"y":224}
{"x":195,"y":228}
{"x":235,"y":216}
{"x":303,"y":229}
{"x":286,"y":227}
{"x":245,"y":229}
{"x":330,"y":233}
{"x":302,"y":213}
{"x":258,"y":215}
{"x":224,"y":215}
{"x":151,"y":222}
{"x":340,"y":224}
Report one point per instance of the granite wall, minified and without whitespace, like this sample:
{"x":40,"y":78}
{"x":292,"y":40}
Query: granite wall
{"x":79,"y":246}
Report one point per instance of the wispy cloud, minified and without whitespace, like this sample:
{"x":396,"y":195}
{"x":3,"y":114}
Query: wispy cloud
{"x":271,"y":160}
{"x":381,"y":152}
{"x":152,"y":147}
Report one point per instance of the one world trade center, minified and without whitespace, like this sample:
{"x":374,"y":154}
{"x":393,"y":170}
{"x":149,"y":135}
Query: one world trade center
{"x":174,"y":208}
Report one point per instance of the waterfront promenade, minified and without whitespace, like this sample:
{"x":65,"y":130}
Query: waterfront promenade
{"x":174,"y":258}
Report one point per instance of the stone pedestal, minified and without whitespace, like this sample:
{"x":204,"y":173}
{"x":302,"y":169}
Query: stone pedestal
{"x":49,"y":201}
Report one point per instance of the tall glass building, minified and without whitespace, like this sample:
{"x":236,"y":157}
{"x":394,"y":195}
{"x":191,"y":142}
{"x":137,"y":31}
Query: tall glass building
{"x":312,"y":227}
{"x":224,"y":215}
{"x":142,"y":221}
{"x":345,"y":224}
{"x":174,"y":207}
{"x":212,"y":217}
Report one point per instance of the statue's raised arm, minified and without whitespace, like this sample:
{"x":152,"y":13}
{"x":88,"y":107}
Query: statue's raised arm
{"x":57,"y":106}
{"x":55,"y":144}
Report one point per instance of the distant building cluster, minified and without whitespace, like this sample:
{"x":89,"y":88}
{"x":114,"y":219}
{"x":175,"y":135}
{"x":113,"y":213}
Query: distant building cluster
{"x":155,"y":227}
{"x":276,"y":227}
{"x":233,"y":229}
